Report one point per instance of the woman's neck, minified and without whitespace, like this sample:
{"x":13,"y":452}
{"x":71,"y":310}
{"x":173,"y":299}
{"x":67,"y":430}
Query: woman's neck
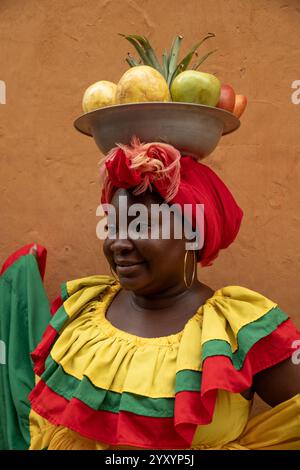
{"x":165,"y":299}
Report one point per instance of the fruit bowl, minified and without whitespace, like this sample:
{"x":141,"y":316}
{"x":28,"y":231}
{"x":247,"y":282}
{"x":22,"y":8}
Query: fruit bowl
{"x":193,"y":129}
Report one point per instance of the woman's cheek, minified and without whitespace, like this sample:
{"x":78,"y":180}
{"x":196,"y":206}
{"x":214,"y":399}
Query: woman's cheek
{"x":154,"y":251}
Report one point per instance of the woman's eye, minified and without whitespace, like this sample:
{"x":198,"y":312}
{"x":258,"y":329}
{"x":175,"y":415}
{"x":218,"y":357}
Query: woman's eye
{"x":110,"y":228}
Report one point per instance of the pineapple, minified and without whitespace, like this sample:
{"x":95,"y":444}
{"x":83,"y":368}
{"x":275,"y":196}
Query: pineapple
{"x":169,"y":68}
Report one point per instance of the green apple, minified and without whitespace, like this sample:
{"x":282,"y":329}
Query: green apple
{"x":192,"y":86}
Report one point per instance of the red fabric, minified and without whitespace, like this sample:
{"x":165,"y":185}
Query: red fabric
{"x":218,"y":372}
{"x":191,"y":411}
{"x":56,"y":304}
{"x":111,"y":428}
{"x":191,"y":408}
{"x":41,"y":258}
{"x":120,"y":173}
{"x":197,"y":184}
{"x":222,"y":215}
{"x":41,"y":352}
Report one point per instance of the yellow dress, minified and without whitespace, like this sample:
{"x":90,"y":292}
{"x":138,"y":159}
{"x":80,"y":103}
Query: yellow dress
{"x":102,"y":388}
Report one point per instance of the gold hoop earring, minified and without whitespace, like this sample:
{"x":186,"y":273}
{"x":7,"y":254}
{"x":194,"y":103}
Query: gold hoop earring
{"x":194,"y":269}
{"x":113,"y":274}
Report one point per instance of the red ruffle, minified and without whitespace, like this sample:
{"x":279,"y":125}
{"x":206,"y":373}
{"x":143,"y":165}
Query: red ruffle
{"x":191,"y":408}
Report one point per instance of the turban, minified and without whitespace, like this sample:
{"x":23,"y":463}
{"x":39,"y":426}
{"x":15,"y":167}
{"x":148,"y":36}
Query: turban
{"x":178,"y":179}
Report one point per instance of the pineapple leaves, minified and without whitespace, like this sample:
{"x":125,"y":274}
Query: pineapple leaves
{"x":183,"y":65}
{"x":144,"y":49}
{"x":138,"y":48}
{"x":173,"y":56}
{"x":202,"y":59}
{"x":165,"y":64}
{"x":131,"y":60}
{"x":169,"y":67}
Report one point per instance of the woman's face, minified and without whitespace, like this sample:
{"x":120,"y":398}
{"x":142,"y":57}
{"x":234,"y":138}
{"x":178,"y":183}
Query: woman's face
{"x":145,"y":265}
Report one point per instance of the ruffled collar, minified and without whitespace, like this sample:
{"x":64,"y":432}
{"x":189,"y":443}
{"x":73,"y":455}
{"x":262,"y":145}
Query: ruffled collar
{"x":121,"y":389}
{"x":112,"y":330}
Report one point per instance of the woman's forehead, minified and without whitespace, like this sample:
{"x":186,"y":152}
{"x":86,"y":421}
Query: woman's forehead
{"x":151,"y":207}
{"x":147,"y":204}
{"x":147,"y":198}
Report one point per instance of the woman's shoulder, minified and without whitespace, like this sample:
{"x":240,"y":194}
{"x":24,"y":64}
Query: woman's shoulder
{"x":242,"y":293}
{"x":251,"y":318}
{"x":243,"y":305}
{"x":93,"y":284}
{"x":75,"y":297}
{"x":82,"y":290}
{"x":259,"y":333}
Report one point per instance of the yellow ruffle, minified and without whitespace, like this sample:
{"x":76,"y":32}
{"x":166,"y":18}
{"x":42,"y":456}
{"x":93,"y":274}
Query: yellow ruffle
{"x":41,"y":431}
{"x":118,"y":361}
{"x":121,"y":362}
{"x":45,"y":435}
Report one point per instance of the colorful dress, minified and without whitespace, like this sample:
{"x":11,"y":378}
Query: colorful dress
{"x":102,"y":388}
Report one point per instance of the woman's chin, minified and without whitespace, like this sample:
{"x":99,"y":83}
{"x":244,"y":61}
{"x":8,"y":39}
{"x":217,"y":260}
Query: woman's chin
{"x":131,"y":279}
{"x":133,"y":284}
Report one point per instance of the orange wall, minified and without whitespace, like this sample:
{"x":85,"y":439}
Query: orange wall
{"x":52,"y":50}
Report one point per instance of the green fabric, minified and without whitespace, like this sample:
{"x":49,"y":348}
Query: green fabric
{"x":59,"y":319}
{"x":24,"y":315}
{"x":97,"y":398}
{"x":64,"y":291}
{"x":246,"y":338}
{"x":188,"y":381}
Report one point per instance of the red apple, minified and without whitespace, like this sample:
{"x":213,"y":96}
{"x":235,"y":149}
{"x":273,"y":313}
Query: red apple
{"x":227,"y":98}
{"x":240,"y":105}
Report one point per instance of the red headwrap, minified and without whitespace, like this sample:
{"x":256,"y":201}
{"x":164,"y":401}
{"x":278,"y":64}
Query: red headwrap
{"x":179,"y":179}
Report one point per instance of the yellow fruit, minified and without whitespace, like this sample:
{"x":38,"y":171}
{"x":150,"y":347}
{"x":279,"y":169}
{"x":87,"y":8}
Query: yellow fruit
{"x":142,"y":83}
{"x":98,"y":95}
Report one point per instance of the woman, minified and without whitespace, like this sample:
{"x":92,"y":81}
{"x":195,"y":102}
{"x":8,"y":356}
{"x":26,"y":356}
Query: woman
{"x":151,"y":357}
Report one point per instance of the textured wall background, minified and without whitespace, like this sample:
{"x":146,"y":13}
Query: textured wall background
{"x":52,"y":50}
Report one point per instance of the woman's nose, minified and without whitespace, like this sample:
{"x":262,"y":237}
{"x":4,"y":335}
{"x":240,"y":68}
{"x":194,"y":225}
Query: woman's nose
{"x":121,"y":246}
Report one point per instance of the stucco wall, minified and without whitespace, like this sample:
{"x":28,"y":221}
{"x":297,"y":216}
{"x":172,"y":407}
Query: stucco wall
{"x":52,"y":50}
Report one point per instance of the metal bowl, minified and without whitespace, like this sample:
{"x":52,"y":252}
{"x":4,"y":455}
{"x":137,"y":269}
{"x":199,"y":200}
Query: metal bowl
{"x":193,"y":129}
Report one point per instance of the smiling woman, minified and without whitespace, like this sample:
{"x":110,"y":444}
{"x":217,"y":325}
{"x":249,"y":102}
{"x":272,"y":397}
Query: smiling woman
{"x":150,"y":285}
{"x":152,"y":358}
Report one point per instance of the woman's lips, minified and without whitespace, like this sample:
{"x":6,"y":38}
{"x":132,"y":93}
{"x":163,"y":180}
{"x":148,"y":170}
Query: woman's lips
{"x":128,"y":269}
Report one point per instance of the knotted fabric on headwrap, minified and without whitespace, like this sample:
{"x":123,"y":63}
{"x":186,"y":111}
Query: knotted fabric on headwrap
{"x":179,"y":179}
